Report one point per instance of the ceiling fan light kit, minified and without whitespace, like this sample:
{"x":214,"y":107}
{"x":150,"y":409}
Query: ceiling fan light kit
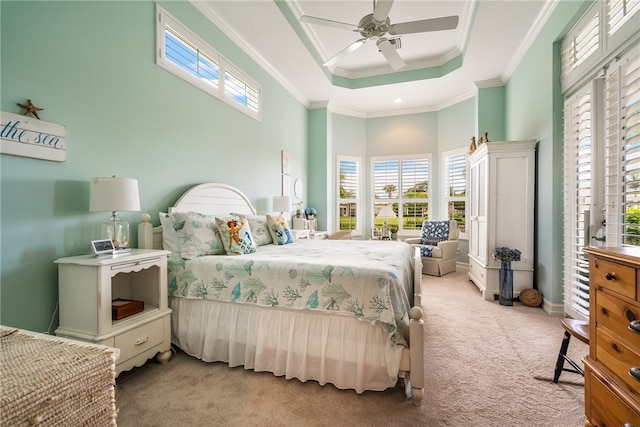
{"x":375,"y":26}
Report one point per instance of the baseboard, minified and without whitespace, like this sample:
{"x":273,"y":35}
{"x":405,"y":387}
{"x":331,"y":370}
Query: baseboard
{"x":462,"y":265}
{"x":552,"y":309}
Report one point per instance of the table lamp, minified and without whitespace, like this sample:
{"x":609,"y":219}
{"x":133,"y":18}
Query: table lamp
{"x":386,"y":212}
{"x":282,"y":204}
{"x":114,"y":194}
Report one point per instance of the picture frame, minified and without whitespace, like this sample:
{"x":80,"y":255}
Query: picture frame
{"x":286,"y":185}
{"x":286,"y":163}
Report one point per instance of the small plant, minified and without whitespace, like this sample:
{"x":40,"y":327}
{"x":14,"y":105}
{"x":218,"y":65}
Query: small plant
{"x":506,"y":254}
{"x":310,"y":212}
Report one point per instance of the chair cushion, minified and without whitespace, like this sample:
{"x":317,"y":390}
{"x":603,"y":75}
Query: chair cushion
{"x":434,"y":232}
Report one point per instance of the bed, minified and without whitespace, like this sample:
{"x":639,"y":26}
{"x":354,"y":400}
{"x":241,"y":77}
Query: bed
{"x":344,"y":312}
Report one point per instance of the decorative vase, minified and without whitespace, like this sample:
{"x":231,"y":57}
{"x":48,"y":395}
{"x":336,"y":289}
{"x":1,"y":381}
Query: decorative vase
{"x":506,"y":283}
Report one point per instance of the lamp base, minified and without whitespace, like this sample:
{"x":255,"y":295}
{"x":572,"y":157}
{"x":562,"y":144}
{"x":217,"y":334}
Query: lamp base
{"x":117,"y":230}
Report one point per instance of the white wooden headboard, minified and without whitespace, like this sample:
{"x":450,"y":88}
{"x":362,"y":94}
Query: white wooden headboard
{"x":210,"y":198}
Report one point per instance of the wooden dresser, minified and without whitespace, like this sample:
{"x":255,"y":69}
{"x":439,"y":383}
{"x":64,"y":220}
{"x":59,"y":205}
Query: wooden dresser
{"x":612,"y":368}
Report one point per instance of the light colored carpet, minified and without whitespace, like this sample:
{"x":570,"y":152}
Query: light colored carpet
{"x":486,"y":365}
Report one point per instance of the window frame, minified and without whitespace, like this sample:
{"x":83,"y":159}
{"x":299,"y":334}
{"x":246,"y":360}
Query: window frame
{"x":446,"y":198}
{"x":225,"y":67}
{"x":357,"y":200}
{"x":399,"y":200}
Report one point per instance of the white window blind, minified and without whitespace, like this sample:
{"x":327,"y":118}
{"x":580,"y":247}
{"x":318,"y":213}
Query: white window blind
{"x":403,"y":182}
{"x":455,"y":187}
{"x":619,"y":12}
{"x":349,"y":200}
{"x":578,"y":188}
{"x":184,"y":54}
{"x":580,"y":44}
{"x":622,"y":147}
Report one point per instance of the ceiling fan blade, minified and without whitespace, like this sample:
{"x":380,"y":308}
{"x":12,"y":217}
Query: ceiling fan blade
{"x":328,"y":23}
{"x":389,"y":52}
{"x":381,"y":10}
{"x":353,"y":46}
{"x":435,"y":24}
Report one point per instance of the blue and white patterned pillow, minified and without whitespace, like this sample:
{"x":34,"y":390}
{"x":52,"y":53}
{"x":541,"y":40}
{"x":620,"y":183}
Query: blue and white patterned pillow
{"x":434,"y":232}
{"x":197,"y":234}
{"x":236,"y":235}
{"x":279,"y":230}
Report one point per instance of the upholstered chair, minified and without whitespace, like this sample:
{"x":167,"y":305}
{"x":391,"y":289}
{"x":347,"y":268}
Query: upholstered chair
{"x":438,"y":243}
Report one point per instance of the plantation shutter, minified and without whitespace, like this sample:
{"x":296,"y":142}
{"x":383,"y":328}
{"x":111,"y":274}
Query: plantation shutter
{"x":348,"y":190}
{"x":578,"y":183}
{"x":619,"y":12}
{"x":583,"y":41}
{"x":622,"y":148}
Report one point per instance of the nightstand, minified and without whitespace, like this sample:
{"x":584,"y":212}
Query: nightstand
{"x":86,"y":286}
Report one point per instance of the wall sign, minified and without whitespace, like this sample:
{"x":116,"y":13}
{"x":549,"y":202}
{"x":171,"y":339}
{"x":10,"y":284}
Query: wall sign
{"x":30,"y":137}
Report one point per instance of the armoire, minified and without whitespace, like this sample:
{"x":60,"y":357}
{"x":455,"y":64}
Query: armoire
{"x":501,"y":212}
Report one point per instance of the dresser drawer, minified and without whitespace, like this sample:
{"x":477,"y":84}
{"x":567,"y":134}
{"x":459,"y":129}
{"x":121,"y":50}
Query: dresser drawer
{"x":618,"y":358}
{"x":616,"y":315}
{"x":606,"y":409}
{"x":618,"y":278}
{"x":137,"y":340}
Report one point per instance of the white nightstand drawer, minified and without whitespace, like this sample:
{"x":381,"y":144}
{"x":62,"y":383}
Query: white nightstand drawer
{"x":139,"y":339}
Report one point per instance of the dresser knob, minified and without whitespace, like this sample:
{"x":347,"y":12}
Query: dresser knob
{"x":635,"y":326}
{"x":627,"y":425}
{"x":610,"y":276}
{"x":635,"y":373}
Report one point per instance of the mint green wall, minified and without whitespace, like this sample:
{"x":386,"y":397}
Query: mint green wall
{"x":318,"y":169}
{"x":490,"y":107}
{"x":91,"y":66}
{"x":534,"y":111}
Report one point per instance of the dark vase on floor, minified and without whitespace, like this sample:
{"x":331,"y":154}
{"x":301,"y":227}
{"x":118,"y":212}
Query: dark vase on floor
{"x":506,"y":283}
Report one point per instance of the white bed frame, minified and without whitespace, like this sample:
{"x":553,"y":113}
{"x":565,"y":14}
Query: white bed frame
{"x":221,"y":199}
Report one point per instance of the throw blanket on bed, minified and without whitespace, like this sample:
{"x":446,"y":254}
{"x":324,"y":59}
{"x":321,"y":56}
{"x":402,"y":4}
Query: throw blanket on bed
{"x":368,"y":279}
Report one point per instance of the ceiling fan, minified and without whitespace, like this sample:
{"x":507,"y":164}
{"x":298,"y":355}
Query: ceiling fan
{"x":376,"y":26}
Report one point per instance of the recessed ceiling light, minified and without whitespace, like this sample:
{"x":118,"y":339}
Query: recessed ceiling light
{"x":397,"y":100}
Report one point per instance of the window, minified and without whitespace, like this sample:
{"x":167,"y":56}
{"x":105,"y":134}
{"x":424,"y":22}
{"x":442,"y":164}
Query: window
{"x":403,"y":183}
{"x":349,"y":199}
{"x":602,"y":147}
{"x":187,"y":56}
{"x":581,"y":42}
{"x":455,"y":187}
{"x":622,"y":150}
{"x":619,"y":12}
{"x":580,"y":203}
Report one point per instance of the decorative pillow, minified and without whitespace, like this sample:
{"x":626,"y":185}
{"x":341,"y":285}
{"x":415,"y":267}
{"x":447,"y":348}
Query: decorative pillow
{"x":279,"y":230}
{"x":236,"y":235}
{"x":259,"y":229}
{"x":170,"y":240}
{"x":197,"y":234}
{"x":434,"y":232}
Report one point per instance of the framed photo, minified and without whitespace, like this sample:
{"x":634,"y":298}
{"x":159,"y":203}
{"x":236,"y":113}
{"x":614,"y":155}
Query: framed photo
{"x":286,"y":163}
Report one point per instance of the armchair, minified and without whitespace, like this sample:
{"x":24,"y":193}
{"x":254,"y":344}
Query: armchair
{"x":438,"y":243}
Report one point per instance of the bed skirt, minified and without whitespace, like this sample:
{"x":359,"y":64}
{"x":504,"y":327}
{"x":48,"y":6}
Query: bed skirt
{"x":341,"y":350}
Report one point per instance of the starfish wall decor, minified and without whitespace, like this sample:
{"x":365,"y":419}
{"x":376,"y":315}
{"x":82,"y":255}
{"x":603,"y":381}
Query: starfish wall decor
{"x":30,"y":109}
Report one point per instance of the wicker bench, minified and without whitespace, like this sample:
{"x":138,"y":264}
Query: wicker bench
{"x":45,"y":380}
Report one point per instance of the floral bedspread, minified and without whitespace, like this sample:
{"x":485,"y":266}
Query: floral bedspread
{"x":371,"y":280}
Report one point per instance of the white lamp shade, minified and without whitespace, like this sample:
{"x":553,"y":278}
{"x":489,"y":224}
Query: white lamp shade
{"x":386,"y":212}
{"x":282,"y":203}
{"x":113,"y":194}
